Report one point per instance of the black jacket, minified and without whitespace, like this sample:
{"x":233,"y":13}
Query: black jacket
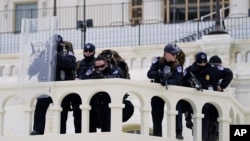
{"x":67,"y":65}
{"x":156,"y":69}
{"x":208,"y":76}
{"x":85,"y":68}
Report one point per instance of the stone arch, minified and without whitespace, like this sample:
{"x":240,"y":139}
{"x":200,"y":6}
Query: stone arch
{"x":99,"y":104}
{"x":71,"y":102}
{"x":135,"y":94}
{"x":144,"y":62}
{"x":247,"y":56}
{"x":217,"y":107}
{"x":231,"y":115}
{"x":73,"y":97}
{"x":133,"y":63}
{"x":237,"y":121}
{"x":1,"y":70}
{"x":238,"y":57}
{"x":184,"y":105}
{"x":5,"y":98}
{"x":166,"y":100}
{"x":211,"y":111}
{"x":33,"y":98}
{"x":12,"y":70}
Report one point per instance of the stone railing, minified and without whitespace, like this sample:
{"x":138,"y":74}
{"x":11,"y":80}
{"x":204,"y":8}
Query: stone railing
{"x":229,"y":109}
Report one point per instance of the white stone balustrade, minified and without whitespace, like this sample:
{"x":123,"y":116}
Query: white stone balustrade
{"x":229,"y":109}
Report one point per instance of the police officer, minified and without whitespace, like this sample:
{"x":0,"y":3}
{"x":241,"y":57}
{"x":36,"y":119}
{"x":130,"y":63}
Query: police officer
{"x":168,"y":60}
{"x":208,"y":76}
{"x":225,"y":74}
{"x":100,"y":111}
{"x":65,"y":64}
{"x":71,"y":102}
{"x":86,"y":65}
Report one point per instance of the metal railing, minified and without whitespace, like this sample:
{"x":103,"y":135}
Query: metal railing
{"x":142,"y":34}
{"x":105,"y":31}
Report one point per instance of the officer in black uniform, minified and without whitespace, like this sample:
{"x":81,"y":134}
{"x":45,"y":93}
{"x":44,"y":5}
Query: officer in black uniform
{"x":86,"y":65}
{"x":156,"y":72}
{"x":225,"y":74}
{"x":208,"y":76}
{"x":65,"y":64}
{"x":71,"y":102}
{"x":100,"y":112}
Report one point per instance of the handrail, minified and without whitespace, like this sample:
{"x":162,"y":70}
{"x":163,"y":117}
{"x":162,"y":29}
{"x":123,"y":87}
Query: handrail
{"x":222,"y":9}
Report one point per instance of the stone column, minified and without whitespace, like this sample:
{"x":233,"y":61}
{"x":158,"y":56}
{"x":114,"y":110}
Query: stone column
{"x":145,"y":111}
{"x":2,"y":112}
{"x":171,"y":116}
{"x":56,"y":114}
{"x":197,"y":129}
{"x":116,"y":117}
{"x":224,"y":124}
{"x":85,"y":118}
{"x":28,"y":119}
{"x":239,"y":8}
{"x":219,"y":44}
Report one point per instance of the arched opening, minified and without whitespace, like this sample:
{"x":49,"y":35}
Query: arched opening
{"x":100,"y":113}
{"x":71,"y":103}
{"x":210,"y":125}
{"x":237,"y":57}
{"x":185,"y":109}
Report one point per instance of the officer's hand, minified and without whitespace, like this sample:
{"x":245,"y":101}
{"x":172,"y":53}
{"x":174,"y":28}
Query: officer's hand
{"x":98,"y":75}
{"x":101,"y":75}
{"x":77,"y":78}
{"x":160,"y":74}
{"x":219,"y":89}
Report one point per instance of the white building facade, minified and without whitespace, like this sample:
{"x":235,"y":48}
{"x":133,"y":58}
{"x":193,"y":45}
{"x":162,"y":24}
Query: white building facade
{"x":16,"y":111}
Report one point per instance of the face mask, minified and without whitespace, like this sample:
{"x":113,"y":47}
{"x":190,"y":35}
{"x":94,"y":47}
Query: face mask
{"x":87,"y":58}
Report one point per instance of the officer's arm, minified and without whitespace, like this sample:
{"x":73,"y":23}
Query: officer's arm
{"x":186,"y":78}
{"x":116,"y":73}
{"x":67,"y":62}
{"x":153,"y":72}
{"x":175,"y":79}
{"x":227,"y":78}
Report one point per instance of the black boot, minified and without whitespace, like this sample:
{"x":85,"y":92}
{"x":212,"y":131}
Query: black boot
{"x":179,"y":135}
{"x":34,"y":132}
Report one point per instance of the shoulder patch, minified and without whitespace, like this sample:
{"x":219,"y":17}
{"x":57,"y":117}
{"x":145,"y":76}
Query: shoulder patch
{"x":179,"y":69}
{"x":220,"y":68}
{"x":154,"y":60}
{"x":115,"y":72}
{"x":71,"y":53}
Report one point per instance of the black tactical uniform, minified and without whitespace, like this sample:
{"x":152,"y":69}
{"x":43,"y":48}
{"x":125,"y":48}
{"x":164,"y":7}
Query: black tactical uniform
{"x":86,"y":65}
{"x":100,"y":112}
{"x":65,"y":64}
{"x":225,"y":75}
{"x":156,"y":73}
{"x":209,"y":76}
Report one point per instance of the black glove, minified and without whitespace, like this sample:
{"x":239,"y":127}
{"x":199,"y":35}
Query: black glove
{"x":98,"y":75}
{"x":160,"y":74}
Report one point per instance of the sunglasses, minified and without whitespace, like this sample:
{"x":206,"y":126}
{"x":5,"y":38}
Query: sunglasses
{"x":101,"y":66}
